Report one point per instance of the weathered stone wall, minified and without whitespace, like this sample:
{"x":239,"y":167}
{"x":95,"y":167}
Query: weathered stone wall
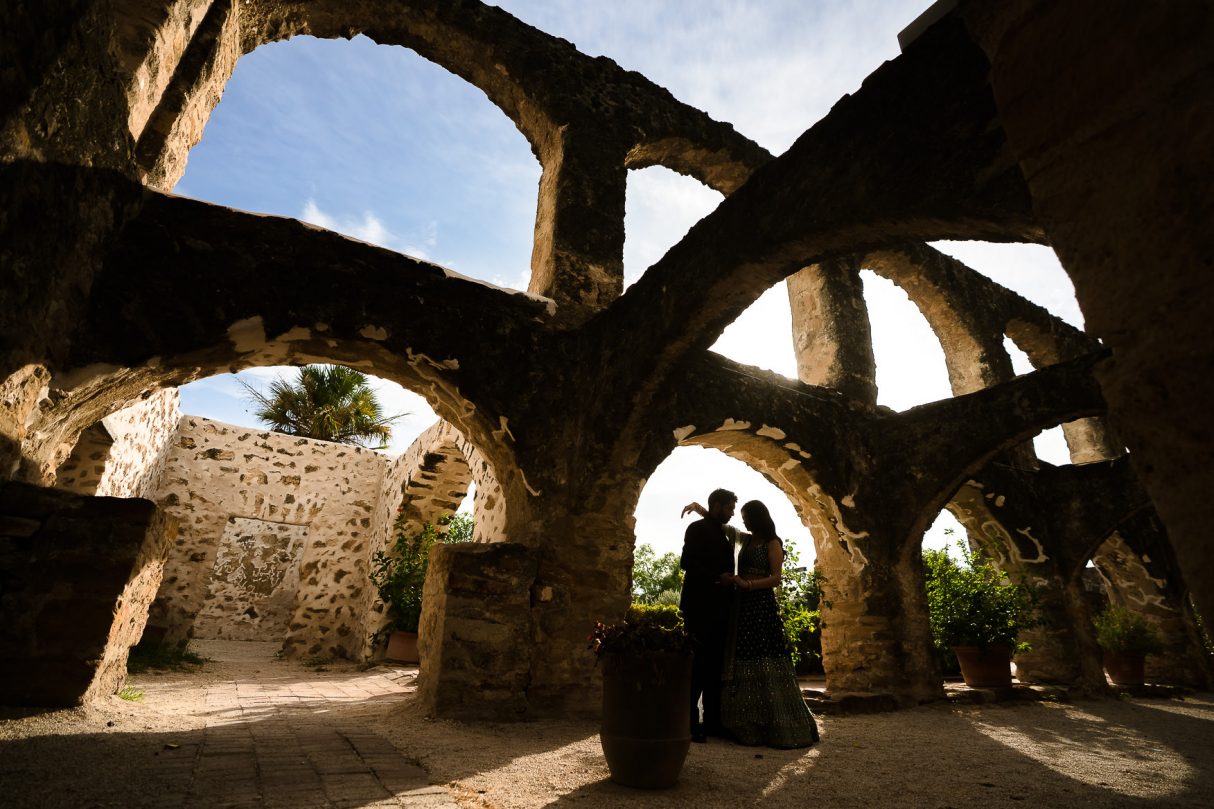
{"x":255,"y":581}
{"x":142,"y":436}
{"x":82,"y":471}
{"x":244,"y":484}
{"x":1139,"y":575}
{"x":76,"y":577}
{"x":124,"y":454}
{"x":475,"y":638}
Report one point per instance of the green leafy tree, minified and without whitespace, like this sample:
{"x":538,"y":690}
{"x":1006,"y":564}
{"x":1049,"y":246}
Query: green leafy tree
{"x":325,"y":402}
{"x":459,"y":528}
{"x":654,"y":577}
{"x":800,"y":600}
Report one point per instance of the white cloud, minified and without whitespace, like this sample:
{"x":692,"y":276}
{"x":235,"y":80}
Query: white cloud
{"x":370,"y":228}
{"x":659,"y":208}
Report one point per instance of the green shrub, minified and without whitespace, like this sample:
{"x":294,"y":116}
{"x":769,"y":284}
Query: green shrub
{"x":1123,"y":631}
{"x":973,"y":603}
{"x":399,"y":573}
{"x":130,"y":693}
{"x":647,"y":628}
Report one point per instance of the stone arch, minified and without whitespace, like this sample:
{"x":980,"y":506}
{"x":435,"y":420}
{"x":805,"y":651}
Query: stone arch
{"x":941,"y":288}
{"x":1139,"y":572}
{"x":586,"y":121}
{"x":842,"y":553}
{"x":1046,"y":343}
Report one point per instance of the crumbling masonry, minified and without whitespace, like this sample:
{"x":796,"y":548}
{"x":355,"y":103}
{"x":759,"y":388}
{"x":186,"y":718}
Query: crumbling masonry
{"x":1075,"y":124}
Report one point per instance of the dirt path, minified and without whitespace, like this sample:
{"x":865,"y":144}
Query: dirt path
{"x":260,"y":732}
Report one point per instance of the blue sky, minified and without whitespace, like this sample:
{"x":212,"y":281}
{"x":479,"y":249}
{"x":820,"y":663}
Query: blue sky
{"x":377,"y":143}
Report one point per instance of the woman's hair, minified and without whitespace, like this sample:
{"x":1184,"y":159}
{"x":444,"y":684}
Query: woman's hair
{"x":761,"y":523}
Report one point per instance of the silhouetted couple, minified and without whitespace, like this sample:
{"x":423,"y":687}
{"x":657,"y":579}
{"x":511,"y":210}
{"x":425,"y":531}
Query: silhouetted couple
{"x":742,"y":669}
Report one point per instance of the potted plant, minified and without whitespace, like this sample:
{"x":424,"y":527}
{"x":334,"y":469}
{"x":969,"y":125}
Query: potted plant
{"x":646,"y":728}
{"x":399,"y":574}
{"x":1126,"y":637}
{"x":977,"y":613}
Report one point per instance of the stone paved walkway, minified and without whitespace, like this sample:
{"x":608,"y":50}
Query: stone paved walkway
{"x":275,"y":741}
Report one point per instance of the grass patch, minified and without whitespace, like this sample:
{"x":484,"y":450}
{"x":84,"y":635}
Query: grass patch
{"x":148,"y":656}
{"x":130,"y":693}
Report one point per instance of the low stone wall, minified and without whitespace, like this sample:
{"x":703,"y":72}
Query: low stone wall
{"x":476,"y":631}
{"x":76,"y":576}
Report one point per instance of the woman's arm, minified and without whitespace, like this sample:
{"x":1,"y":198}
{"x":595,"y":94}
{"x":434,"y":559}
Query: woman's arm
{"x":775,"y":560}
{"x":693,"y":506}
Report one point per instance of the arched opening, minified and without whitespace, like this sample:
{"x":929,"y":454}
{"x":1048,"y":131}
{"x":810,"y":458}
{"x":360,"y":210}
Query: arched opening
{"x":276,"y":533}
{"x":1134,"y":570}
{"x":1050,"y":445}
{"x":910,"y":362}
{"x":1030,"y":270}
{"x":689,"y":474}
{"x":660,"y":207}
{"x":377,"y":143}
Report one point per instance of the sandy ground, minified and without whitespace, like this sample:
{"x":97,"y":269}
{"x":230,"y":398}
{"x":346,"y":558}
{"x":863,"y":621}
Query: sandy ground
{"x":1129,"y":752}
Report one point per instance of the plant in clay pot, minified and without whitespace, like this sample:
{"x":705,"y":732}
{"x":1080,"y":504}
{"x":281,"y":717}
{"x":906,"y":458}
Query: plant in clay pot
{"x":1126,"y":637}
{"x":978,"y":613}
{"x":399,"y":574}
{"x":646,"y":730}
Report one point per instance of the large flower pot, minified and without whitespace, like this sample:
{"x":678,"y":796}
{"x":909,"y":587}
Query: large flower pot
{"x":1124,"y":668}
{"x":402,"y":647}
{"x":985,"y":668}
{"x":646,"y":729}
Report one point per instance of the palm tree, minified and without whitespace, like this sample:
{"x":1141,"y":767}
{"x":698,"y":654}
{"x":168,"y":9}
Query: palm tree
{"x":326,"y":402}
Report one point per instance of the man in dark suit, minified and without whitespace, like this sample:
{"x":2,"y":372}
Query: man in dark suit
{"x":708,"y":562}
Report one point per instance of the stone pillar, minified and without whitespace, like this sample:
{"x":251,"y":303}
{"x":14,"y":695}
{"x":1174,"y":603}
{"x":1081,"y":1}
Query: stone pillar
{"x":875,"y":632}
{"x":583,"y":577}
{"x":476,"y":636}
{"x":77,"y":575}
{"x":1114,"y":145}
{"x":578,"y":258}
{"x":831,"y":334}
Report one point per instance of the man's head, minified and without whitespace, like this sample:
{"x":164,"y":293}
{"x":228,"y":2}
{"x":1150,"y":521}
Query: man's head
{"x":721,"y":504}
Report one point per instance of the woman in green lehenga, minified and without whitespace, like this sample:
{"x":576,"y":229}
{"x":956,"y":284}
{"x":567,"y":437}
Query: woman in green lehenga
{"x":761,"y":703}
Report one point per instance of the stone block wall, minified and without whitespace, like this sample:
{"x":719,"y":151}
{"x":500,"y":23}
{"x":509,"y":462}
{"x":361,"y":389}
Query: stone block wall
{"x":260,"y":511}
{"x":142,"y":436}
{"x":476,"y":635}
{"x":76,"y":576}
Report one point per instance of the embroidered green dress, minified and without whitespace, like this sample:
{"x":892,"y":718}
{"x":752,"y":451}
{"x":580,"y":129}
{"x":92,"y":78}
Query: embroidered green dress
{"x":761,"y":703}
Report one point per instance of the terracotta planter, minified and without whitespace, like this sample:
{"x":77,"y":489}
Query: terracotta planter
{"x":402,"y":647}
{"x":985,"y":668}
{"x":646,"y":729}
{"x":1124,"y":668}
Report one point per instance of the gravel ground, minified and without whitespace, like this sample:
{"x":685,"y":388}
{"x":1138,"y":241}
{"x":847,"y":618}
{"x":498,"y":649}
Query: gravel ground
{"x":1115,"y":753}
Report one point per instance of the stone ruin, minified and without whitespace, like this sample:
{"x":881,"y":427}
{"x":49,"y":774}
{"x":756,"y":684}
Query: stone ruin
{"x":1061,"y":123}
